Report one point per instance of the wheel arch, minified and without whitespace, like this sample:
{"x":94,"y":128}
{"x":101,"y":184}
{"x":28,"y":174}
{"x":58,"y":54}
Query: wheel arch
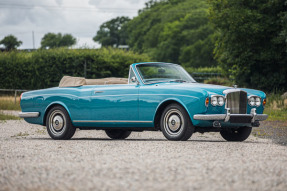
{"x":162,"y":106}
{"x":50,"y":106}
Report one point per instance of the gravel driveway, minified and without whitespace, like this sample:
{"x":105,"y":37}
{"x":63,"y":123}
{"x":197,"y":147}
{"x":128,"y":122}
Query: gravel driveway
{"x":30,"y":160}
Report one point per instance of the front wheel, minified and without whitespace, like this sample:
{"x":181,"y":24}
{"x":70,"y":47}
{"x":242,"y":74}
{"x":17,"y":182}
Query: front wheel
{"x":240,"y":134}
{"x":59,"y":125}
{"x":175,"y":123}
{"x":117,"y":133}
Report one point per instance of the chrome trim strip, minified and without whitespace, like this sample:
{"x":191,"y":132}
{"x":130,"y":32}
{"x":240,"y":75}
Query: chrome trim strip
{"x":258,"y":117}
{"x":227,"y":91}
{"x":226,"y":117}
{"x":28,"y":114}
{"x":109,"y":121}
{"x":117,"y":95}
{"x":210,"y":117}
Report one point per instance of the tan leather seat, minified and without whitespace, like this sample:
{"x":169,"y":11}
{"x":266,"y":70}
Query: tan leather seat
{"x":69,"y":81}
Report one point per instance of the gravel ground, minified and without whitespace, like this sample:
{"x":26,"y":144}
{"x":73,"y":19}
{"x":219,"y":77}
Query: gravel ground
{"x":30,"y":160}
{"x":274,"y":130}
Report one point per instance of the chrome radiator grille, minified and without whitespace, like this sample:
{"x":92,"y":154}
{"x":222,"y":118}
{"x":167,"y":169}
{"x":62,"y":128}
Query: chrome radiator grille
{"x":237,"y":102}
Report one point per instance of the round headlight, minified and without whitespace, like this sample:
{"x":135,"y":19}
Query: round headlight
{"x":251,"y":101}
{"x":258,"y":101}
{"x":220,"y":101}
{"x":214,"y":101}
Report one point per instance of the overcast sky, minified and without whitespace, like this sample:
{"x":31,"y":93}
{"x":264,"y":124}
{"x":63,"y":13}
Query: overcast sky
{"x":81,"y":18}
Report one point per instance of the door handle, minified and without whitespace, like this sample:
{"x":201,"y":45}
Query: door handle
{"x":98,"y":92}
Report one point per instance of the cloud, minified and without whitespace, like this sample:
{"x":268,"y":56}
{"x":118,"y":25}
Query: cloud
{"x":81,"y":18}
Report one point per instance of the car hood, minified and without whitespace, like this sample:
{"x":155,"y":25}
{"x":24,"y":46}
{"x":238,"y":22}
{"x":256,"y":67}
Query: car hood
{"x":211,"y":89}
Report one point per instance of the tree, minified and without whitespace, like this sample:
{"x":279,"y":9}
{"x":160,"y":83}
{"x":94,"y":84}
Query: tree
{"x":176,"y":31}
{"x":52,"y":40}
{"x":10,"y":42}
{"x":113,"y":32}
{"x":251,"y":45}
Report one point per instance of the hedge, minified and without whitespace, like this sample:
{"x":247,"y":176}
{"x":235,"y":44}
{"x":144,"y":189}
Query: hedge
{"x":45,"y":68}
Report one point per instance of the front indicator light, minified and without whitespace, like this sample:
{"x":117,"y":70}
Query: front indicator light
{"x":264,"y":102}
{"x":206,"y":101}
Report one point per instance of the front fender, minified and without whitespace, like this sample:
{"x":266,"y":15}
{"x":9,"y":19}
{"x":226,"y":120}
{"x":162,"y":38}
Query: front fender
{"x":190,"y":104}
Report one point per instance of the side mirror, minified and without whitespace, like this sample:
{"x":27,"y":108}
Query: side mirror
{"x":134,"y":80}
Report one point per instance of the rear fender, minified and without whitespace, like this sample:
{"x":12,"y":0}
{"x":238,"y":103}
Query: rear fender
{"x":54,"y":104}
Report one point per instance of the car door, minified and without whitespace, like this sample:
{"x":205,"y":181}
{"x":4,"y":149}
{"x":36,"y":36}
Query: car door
{"x":114,"y":105}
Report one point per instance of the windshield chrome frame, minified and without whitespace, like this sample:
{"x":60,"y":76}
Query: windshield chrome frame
{"x":160,"y":63}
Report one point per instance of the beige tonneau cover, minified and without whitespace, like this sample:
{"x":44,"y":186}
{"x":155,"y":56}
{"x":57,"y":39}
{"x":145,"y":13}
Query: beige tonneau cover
{"x":69,"y":81}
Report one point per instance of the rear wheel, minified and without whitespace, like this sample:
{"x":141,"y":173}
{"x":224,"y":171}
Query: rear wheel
{"x":59,"y":125}
{"x":175,"y":123}
{"x":240,"y":134}
{"x":117,"y":133}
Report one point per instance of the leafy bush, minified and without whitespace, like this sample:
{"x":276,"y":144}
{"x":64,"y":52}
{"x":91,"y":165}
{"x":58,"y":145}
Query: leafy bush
{"x":219,"y":81}
{"x":45,"y":68}
{"x":204,"y":70}
{"x":251,"y":45}
{"x":176,"y":31}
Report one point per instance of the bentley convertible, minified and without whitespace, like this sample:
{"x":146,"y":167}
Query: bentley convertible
{"x":156,"y":96}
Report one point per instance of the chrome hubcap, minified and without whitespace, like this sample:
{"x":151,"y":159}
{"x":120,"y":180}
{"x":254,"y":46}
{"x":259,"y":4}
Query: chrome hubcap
{"x":173,"y":122}
{"x":57,"y":123}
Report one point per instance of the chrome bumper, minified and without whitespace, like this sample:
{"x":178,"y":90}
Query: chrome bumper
{"x":28,"y":114}
{"x":232,"y":117}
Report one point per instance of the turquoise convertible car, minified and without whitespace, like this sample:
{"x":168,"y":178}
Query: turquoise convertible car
{"x":156,"y":96}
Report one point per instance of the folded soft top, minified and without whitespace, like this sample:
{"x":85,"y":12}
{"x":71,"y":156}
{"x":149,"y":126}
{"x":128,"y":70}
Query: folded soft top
{"x":69,"y":81}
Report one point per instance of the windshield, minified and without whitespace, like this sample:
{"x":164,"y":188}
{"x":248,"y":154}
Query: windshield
{"x":162,"y":72}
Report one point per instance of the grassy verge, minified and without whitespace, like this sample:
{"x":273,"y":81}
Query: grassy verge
{"x":276,"y":108}
{"x":8,"y":103}
{"x":8,"y":117}
{"x":276,"y":115}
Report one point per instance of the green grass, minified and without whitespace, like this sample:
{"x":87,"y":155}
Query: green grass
{"x":276,"y":115}
{"x":7,"y":117}
{"x":276,"y":108}
{"x":8,"y":103}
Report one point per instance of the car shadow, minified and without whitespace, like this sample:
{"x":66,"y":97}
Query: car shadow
{"x":138,"y":140}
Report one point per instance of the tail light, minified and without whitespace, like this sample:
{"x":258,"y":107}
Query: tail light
{"x":21,"y":96}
